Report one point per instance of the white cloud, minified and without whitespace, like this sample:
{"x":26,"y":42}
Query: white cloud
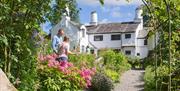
{"x":122,"y":2}
{"x":109,"y":2}
{"x":88,"y":2}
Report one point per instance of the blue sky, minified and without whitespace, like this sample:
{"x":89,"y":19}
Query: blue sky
{"x":111,"y":11}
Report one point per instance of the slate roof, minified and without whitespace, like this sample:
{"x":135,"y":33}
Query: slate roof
{"x":112,"y":27}
{"x":143,"y":33}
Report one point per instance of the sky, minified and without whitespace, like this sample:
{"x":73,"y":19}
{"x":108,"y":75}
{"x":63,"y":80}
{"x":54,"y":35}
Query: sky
{"x":111,"y":11}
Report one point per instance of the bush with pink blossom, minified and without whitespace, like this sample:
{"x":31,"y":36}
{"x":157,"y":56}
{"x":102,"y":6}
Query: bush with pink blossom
{"x":55,"y":73}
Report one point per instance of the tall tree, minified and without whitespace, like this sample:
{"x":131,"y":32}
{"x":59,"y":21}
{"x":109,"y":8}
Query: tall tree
{"x":18,"y":20}
{"x":58,"y":8}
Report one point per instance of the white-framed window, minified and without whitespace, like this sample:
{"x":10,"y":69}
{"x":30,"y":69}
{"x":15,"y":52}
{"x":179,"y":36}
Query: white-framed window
{"x":127,"y":36}
{"x":128,"y":52}
{"x":98,"y":38}
{"x":116,"y":37}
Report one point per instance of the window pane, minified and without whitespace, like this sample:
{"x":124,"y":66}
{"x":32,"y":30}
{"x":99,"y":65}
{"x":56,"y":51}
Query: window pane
{"x":145,"y":42}
{"x":98,"y":38}
{"x":128,"y":52}
{"x":116,"y":37}
{"x":127,"y":36}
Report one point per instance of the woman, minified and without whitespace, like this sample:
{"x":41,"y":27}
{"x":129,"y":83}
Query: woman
{"x":64,"y":50}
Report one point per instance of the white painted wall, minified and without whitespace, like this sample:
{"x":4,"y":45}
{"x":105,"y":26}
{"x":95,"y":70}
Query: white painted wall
{"x":141,"y":48}
{"x":132,"y":49}
{"x":83,"y":39}
{"x":106,"y":43}
{"x":129,"y":41}
{"x":72,"y":31}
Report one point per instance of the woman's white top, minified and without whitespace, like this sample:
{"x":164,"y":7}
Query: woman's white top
{"x":64,"y":49}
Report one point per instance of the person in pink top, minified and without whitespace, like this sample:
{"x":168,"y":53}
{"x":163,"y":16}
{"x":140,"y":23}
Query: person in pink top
{"x":64,"y":50}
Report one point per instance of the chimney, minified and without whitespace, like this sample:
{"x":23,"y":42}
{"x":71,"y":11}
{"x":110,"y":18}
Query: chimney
{"x":138,"y":16}
{"x":94,"y":18}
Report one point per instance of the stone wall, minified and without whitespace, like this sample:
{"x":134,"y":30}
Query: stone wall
{"x":5,"y":84}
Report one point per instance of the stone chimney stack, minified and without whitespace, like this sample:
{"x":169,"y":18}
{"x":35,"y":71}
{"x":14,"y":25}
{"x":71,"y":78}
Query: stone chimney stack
{"x":139,"y":17}
{"x":94,"y":18}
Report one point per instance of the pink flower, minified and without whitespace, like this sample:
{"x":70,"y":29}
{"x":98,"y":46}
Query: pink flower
{"x":88,"y":83}
{"x":61,"y":68}
{"x":70,"y":64}
{"x":64,"y":64}
{"x":49,"y":57}
{"x":41,"y":57}
{"x":50,"y":64}
{"x":88,"y":78}
{"x":54,"y":55}
{"x":93,"y":69}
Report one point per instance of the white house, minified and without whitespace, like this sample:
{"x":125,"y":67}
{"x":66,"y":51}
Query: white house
{"x":128,"y":37}
{"x":75,"y":31}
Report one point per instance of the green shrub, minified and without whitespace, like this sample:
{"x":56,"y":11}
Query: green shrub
{"x":115,"y":61}
{"x":135,"y":62}
{"x":162,"y":78}
{"x":149,"y":79}
{"x":108,"y":56}
{"x":113,"y":75}
{"x":82,"y":59}
{"x":100,"y":82}
{"x":52,"y":79}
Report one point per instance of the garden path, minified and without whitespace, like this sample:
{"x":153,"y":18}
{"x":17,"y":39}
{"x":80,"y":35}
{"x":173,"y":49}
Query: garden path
{"x":131,"y":80}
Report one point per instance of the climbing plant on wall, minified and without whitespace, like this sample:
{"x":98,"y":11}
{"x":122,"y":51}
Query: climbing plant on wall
{"x":164,"y":17}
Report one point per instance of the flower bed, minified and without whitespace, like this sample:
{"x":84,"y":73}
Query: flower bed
{"x":76,"y":78}
{"x":81,"y":72}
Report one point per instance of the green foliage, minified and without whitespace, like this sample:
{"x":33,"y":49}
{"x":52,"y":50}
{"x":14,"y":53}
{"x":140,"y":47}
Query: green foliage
{"x":82,"y":60}
{"x":101,"y":1}
{"x":101,"y":82}
{"x":113,"y":75}
{"x":158,"y":20}
{"x":115,"y":61}
{"x":149,"y":79}
{"x":52,"y":79}
{"x":58,"y":8}
{"x":135,"y":62}
{"x":162,"y":78}
{"x":18,"y":53}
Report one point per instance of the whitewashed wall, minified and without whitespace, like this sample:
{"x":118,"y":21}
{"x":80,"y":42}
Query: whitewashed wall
{"x":83,"y":39}
{"x":129,"y":41}
{"x":70,"y":30}
{"x":106,"y":43}
{"x":141,"y":48}
{"x":132,"y":49}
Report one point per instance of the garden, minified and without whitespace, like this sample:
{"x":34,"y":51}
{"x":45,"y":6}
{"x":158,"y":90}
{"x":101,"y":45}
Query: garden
{"x":81,"y":72}
{"x":29,"y":63}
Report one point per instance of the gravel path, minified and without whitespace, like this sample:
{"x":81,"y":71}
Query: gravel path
{"x":131,"y":80}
